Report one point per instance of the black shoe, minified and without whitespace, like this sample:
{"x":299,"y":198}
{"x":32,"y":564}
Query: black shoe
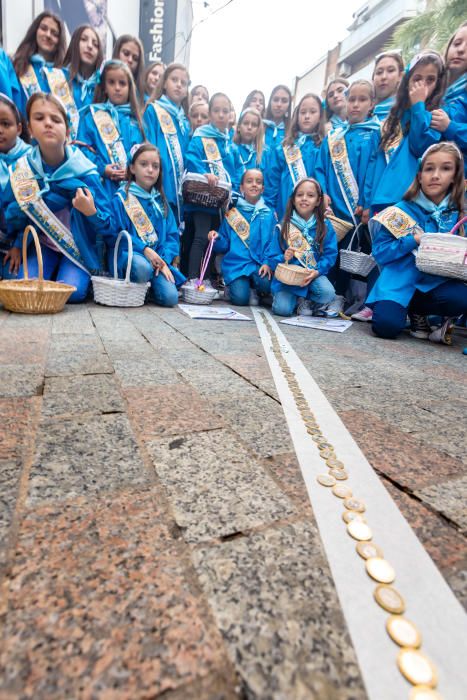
{"x":419,"y":326}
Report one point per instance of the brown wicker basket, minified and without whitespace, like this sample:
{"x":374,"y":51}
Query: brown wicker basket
{"x":291,"y":274}
{"x":31,"y":296}
{"x":340,"y":226}
{"x":195,"y":190}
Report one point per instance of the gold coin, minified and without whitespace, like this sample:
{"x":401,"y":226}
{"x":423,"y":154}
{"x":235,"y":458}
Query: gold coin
{"x":323,"y":444}
{"x":339,"y":474}
{"x":389,"y":599}
{"x":359,"y":530}
{"x":417,"y":668}
{"x":355,"y":504}
{"x":326,"y":453}
{"x":349,"y":516}
{"x":341,"y":491}
{"x":380,"y":570}
{"x":334,"y":463}
{"x":314,"y":432}
{"x":325,"y":480}
{"x":403,"y":632}
{"x":316,"y":437}
{"x":423,"y":692}
{"x":368,"y":549}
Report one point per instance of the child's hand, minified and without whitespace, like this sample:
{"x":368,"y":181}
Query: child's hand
{"x":113,"y":172}
{"x":309,"y":278}
{"x":358,"y":210}
{"x":288,"y":255}
{"x":365,"y":216}
{"x":83,"y":202}
{"x":14,"y":256}
{"x":418,"y":92}
{"x":327,"y":202}
{"x":439,"y":120}
{"x":212,"y":180}
{"x":417,"y":236}
{"x":212,"y":235}
{"x":155,"y":259}
{"x":165,"y":270}
{"x":265,"y":271}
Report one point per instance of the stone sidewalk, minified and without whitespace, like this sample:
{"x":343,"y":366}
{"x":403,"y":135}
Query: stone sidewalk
{"x":156,"y":538}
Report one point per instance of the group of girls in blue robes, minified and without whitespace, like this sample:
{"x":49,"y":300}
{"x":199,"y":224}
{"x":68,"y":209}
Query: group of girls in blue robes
{"x":112,"y":141}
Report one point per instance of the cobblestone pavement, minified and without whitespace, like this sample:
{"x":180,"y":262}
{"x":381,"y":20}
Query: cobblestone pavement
{"x":156,"y":538}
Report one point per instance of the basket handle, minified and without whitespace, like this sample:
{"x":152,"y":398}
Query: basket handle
{"x":349,"y":247}
{"x":130,"y":255}
{"x":204,"y":264}
{"x":459,"y":224}
{"x":31,"y":230}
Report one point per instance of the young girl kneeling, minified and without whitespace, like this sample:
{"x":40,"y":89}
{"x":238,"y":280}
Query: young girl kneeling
{"x":434,"y":202}
{"x":309,"y":240}
{"x":140,"y":207}
{"x":244,"y":236}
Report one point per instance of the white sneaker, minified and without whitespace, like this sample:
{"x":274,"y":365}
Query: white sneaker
{"x":304,"y":307}
{"x":254,"y":299}
{"x":443,"y":333}
{"x":365,"y":314}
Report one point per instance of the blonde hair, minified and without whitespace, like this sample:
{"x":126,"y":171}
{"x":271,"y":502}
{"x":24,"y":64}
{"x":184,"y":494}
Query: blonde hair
{"x":259,"y":141}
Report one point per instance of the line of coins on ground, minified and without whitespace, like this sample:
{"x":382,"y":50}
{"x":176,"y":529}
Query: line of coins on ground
{"x":414,"y":665}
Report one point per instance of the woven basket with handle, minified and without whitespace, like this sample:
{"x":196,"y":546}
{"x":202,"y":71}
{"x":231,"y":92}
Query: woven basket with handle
{"x":340,"y":226}
{"x":443,"y":254}
{"x":291,"y":274}
{"x":34,"y":296}
{"x":111,"y":291}
{"x":355,"y":261}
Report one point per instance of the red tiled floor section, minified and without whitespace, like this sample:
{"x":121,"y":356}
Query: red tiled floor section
{"x":247,"y":364}
{"x":101,"y":605}
{"x":21,"y":347}
{"x":286,"y":471}
{"x":398,"y":455}
{"x":15,"y":416}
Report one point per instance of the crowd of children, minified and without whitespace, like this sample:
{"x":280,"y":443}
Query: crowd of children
{"x":90,"y":147}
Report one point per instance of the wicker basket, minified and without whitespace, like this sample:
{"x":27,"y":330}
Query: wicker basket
{"x":340,"y":226}
{"x":111,"y":291}
{"x":291,"y":274}
{"x":355,"y":261}
{"x":443,"y":254}
{"x":199,"y":294}
{"x":195,"y":190}
{"x":31,"y":296}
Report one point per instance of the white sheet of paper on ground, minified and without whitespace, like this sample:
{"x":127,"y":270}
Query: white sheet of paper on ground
{"x":215,"y":313}
{"x":336,"y":325}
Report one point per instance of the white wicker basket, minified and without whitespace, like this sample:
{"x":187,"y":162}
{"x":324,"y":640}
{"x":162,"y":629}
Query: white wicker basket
{"x":443,"y":254}
{"x":355,"y":261}
{"x":192,"y":295}
{"x":112,"y":291}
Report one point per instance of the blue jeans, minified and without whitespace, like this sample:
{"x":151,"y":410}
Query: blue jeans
{"x":165,"y":292}
{"x":60,"y":268}
{"x":239,"y":289}
{"x":320,"y":292}
{"x":449,"y":299}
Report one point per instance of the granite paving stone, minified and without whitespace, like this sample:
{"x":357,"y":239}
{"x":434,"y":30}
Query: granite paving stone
{"x":66,"y":397}
{"x":215,"y":486}
{"x":77,"y":361}
{"x":448,"y":497}
{"x":171,"y":409}
{"x":73,"y":319}
{"x":84,"y":456}
{"x":21,"y":380}
{"x":106,"y":608}
{"x":212,"y":381}
{"x":276,"y":606}
{"x":286,"y":471}
{"x":143,"y":373}
{"x":251,"y":365}
{"x":10,"y":473}
{"x":15,"y":417}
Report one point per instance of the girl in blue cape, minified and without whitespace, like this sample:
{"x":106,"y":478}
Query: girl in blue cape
{"x":152,"y":75}
{"x":244,"y":237}
{"x":335,"y":103}
{"x":12,"y":147}
{"x":57,"y":190}
{"x":277,"y":118}
{"x":211,"y":154}
{"x":296,"y":157}
{"x":130,"y":50}
{"x":167,"y":127}
{"x":434,"y":202}
{"x":111,"y":124}
{"x":9,"y":84}
{"x":82,"y":60}
{"x":304,"y":238}
{"x":387,"y":74}
{"x":141,"y":208}
{"x":256,"y":100}
{"x":249,"y":137}
{"x":39,"y":58}
{"x":407,"y":132}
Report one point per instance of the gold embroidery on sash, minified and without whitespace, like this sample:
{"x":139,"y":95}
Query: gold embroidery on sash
{"x":140,"y":219}
{"x":239,"y":224}
{"x":110,"y":136}
{"x":398,"y":222}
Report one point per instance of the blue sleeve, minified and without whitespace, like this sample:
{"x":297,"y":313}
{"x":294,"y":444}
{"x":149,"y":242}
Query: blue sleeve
{"x":238,"y":168}
{"x":457,"y":129}
{"x":150,"y":123}
{"x":195,"y":157}
{"x":272,"y":177}
{"x":275,"y":252}
{"x":386,"y":248}
{"x":87,"y":133}
{"x":171,"y":247}
{"x":9,"y":83}
{"x":222,"y":244}
{"x":369,"y":183}
{"x":328,"y":255}
{"x":267,"y":233}
{"x":371,"y":147}
{"x":102,"y":221}
{"x":322,"y":165}
{"x":420,"y":135}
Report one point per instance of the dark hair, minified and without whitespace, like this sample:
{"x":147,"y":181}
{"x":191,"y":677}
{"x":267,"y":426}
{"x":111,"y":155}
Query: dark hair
{"x":336,"y":81}
{"x":147,"y":147}
{"x":159,"y":90}
{"x":321,"y":227}
{"x":19,"y":118}
{"x":250,"y":96}
{"x":28,"y":46}
{"x":100,"y":94}
{"x":392,"y":124}
{"x":138,"y":76}
{"x":448,"y":46}
{"x":249,"y":170}
{"x":47,"y":97}
{"x":72,"y":56}
{"x":457,"y":191}
{"x":320,"y":131}
{"x":195,"y":87}
{"x":394,"y":55}
{"x":268,"y":108}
